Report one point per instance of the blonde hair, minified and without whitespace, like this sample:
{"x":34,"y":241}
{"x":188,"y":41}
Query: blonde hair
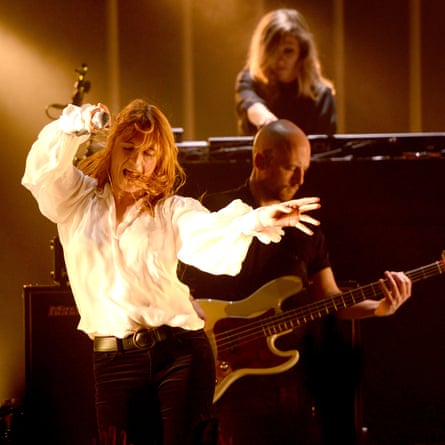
{"x":265,"y":40}
{"x":140,"y":116}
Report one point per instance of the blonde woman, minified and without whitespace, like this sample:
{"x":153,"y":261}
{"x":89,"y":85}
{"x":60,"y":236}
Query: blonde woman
{"x":282,"y":78}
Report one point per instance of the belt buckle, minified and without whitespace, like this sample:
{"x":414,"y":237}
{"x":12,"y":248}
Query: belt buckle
{"x":144,"y":338}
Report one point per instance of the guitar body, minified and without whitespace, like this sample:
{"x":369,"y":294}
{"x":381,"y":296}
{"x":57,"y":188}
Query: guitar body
{"x":243,"y":333}
{"x":240,"y":350}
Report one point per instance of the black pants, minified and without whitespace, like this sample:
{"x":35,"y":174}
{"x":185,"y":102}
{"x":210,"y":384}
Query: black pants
{"x":157,"y":396}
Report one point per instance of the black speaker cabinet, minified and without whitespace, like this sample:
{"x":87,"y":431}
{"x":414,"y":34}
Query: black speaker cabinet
{"x":59,"y":406}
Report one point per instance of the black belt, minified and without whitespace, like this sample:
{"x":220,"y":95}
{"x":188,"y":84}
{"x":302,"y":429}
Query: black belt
{"x":142,"y":339}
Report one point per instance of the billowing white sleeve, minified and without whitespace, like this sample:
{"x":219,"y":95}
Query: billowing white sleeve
{"x":218,"y":242}
{"x":49,"y":172}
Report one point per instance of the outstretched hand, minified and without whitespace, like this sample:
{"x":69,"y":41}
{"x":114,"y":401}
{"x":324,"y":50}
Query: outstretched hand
{"x":291,"y":214}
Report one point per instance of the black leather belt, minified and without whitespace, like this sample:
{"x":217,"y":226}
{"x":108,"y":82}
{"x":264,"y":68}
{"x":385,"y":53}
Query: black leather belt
{"x":142,"y":339}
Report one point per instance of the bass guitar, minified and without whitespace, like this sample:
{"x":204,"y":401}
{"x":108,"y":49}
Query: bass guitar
{"x":243,"y":333}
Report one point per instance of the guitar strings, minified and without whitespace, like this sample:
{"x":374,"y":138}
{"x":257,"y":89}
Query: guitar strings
{"x":294,"y":318}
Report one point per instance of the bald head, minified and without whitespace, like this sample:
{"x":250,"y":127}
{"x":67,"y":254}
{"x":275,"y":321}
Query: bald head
{"x":278,"y":135}
{"x":280,"y":158}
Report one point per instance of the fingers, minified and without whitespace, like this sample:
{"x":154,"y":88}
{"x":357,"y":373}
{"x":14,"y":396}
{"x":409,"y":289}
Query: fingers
{"x":302,"y":201}
{"x":298,"y":206}
{"x":100,"y":117}
{"x":399,"y":284}
{"x":300,"y":223}
{"x":103,"y":107}
{"x":303,"y":204}
{"x":308,"y":219}
{"x":304,"y":228}
{"x":292,"y":213}
{"x":296,"y":210}
{"x":397,"y":288}
{"x":292,"y":219}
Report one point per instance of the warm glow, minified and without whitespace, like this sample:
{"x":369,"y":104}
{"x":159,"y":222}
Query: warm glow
{"x":30,"y":78}
{"x":29,"y":75}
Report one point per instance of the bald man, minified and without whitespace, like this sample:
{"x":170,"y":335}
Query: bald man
{"x":281,"y":156}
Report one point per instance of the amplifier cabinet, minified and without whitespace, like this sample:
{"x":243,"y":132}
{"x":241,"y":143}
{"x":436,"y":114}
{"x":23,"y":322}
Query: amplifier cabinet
{"x":59,"y":402}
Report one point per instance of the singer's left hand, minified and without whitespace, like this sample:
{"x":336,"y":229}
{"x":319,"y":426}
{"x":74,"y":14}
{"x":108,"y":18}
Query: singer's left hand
{"x":291,"y":214}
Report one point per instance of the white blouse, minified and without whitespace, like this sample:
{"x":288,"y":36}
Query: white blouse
{"x":124,"y":277}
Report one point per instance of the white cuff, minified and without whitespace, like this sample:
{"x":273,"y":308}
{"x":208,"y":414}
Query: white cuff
{"x":76,"y":120}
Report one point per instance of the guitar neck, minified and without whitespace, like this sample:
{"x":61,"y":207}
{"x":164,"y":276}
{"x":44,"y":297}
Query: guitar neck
{"x":295,"y":318}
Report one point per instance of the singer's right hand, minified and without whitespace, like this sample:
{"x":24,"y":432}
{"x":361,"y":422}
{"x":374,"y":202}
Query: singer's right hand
{"x":99,"y":117}
{"x":85,"y":119}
